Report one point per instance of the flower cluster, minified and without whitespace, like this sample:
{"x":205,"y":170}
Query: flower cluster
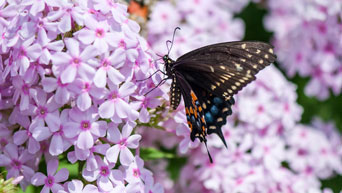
{"x":268,"y":149}
{"x":68,"y":74}
{"x":308,"y":41}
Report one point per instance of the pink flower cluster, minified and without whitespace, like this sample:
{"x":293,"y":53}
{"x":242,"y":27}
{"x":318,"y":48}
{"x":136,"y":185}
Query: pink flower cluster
{"x":268,"y":149}
{"x":68,"y":87}
{"x":308,"y":41}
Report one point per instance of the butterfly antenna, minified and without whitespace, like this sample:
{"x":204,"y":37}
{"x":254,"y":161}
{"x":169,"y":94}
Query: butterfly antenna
{"x":210,"y":158}
{"x":173,"y":38}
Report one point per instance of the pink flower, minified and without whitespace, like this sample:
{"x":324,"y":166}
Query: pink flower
{"x":16,"y":164}
{"x":84,"y":127}
{"x":122,"y":141}
{"x":68,"y":66}
{"x":51,"y":181}
{"x":116,"y":105}
{"x":76,"y":186}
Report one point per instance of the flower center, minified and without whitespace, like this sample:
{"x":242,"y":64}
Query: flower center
{"x":85,"y":125}
{"x":49,"y":181}
{"x":100,"y":33}
{"x":16,"y":164}
{"x":76,"y":61}
{"x":122,"y":44}
{"x":104,"y":171}
{"x":42,"y":111}
{"x":136,"y":172}
{"x":25,"y":89}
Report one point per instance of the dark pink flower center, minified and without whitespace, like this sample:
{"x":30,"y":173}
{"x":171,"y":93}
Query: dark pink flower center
{"x":136,"y":172}
{"x":16,"y":164}
{"x":42,"y":112}
{"x":3,"y":142}
{"x":104,"y":171}
{"x":44,"y":147}
{"x":85,"y":125}
{"x":114,"y":95}
{"x":86,"y":87}
{"x":105,"y":63}
{"x":299,"y":57}
{"x":123,"y":143}
{"x":100,"y":33}
{"x":25,"y":88}
{"x":22,"y":52}
{"x":260,"y":109}
{"x":49,"y":181}
{"x":122,"y":44}
{"x":302,"y":152}
{"x":76,"y":61}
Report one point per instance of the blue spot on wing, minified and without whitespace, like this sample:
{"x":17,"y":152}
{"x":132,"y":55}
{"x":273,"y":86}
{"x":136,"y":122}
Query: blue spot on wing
{"x":208,"y":117}
{"x":214,"y":110}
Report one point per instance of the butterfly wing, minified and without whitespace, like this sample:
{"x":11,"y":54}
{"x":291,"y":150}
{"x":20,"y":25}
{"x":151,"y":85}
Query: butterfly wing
{"x":193,"y":109}
{"x":216,"y":72}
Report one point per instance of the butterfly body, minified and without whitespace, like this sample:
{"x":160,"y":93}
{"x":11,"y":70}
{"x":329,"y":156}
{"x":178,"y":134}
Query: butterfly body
{"x":208,"y":77}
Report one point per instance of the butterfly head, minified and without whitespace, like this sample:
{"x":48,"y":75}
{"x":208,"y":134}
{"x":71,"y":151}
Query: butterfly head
{"x":168,"y":62}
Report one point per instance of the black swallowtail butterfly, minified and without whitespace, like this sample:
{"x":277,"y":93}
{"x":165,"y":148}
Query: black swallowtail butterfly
{"x":208,"y":77}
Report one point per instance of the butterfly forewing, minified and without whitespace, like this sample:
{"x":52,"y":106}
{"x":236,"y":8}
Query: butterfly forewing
{"x":225,"y":68}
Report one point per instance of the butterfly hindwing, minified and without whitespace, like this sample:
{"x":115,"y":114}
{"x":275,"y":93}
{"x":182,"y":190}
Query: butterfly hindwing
{"x":193,"y":110}
{"x":216,"y":109}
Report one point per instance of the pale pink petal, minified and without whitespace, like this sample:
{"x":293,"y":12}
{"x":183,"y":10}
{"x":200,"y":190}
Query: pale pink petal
{"x":83,"y":101}
{"x":56,"y":187}
{"x":20,"y":137}
{"x":127,"y":89}
{"x":73,"y":47}
{"x":4,"y":160}
{"x":86,"y":36}
{"x":38,"y":179}
{"x":85,"y":140}
{"x":113,"y":153}
{"x":88,"y":53}
{"x":34,"y":51}
{"x":144,"y":116}
{"x":69,"y":74}
{"x":133,"y":141}
{"x":61,"y":58}
{"x":45,"y":189}
{"x":89,"y":188}
{"x":71,"y":129}
{"x":49,"y":84}
{"x":62,"y":95}
{"x":41,"y":133}
{"x":100,"y":78}
{"x":113,"y":134}
{"x":105,"y":184}
{"x":52,"y":167}
{"x":62,"y":175}
{"x":126,"y":156}
{"x":115,"y":76}
{"x":75,"y":186}
{"x":65,"y":24}
{"x":56,"y":145}
{"x":106,"y":109}
{"x":37,"y":7}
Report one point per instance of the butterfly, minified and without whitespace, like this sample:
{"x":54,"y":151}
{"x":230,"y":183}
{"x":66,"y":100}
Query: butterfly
{"x":208,"y":77}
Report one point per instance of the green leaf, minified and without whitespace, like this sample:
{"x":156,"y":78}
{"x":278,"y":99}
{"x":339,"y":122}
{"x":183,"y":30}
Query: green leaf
{"x":151,"y":153}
